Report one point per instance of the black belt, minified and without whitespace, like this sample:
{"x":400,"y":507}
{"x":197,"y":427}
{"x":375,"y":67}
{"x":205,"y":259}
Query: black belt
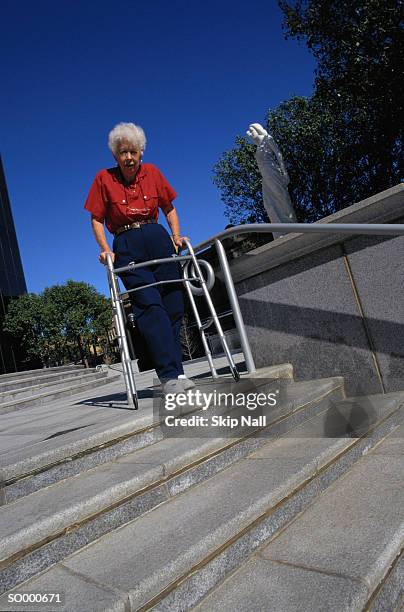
{"x":137,"y":224}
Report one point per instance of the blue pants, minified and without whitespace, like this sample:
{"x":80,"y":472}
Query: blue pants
{"x":158,"y":310}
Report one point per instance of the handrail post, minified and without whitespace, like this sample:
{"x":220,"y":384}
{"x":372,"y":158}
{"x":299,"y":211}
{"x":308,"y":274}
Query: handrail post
{"x":235,"y":306}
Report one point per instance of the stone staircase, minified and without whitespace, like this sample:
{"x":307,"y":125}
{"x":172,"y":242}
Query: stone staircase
{"x":38,"y":387}
{"x":107,"y":510}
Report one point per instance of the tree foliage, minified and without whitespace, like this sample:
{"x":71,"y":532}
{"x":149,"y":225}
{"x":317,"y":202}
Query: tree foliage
{"x":359,"y":47}
{"x":25,"y":323}
{"x":345,"y":142}
{"x":61,"y":322}
{"x":238,"y":178}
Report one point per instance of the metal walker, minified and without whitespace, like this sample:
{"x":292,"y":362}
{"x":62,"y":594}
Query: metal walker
{"x":191,"y":271}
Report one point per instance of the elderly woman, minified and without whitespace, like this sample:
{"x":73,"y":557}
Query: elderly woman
{"x":127,"y":199}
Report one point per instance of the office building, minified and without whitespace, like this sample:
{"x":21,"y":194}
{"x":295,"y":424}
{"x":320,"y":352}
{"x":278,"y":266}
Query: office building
{"x":12,"y":280}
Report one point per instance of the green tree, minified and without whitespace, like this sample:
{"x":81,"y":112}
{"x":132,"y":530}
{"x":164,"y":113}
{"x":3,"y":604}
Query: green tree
{"x":307,"y":134}
{"x":344,"y":143}
{"x":102,"y":325}
{"x":359,"y":47}
{"x":25,"y":322}
{"x":237,"y":176}
{"x":63,"y":320}
{"x":81,"y":313}
{"x":310,"y":136}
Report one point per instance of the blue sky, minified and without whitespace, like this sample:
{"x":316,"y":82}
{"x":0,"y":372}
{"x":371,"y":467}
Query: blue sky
{"x":192,"y":74}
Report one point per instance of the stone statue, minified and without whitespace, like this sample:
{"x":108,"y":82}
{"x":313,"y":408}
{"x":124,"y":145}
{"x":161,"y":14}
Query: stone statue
{"x":275,"y":179}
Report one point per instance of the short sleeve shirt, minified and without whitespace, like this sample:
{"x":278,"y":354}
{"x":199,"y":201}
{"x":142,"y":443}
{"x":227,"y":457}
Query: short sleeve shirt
{"x":118,"y":203}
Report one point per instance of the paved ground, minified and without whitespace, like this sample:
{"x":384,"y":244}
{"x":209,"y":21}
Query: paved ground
{"x":30,"y":426}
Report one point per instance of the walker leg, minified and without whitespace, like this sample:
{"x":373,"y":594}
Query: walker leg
{"x":233,"y":369}
{"x":201,"y":332}
{"x":122,"y":340}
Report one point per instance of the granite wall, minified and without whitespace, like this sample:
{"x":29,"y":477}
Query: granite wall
{"x":329,"y":304}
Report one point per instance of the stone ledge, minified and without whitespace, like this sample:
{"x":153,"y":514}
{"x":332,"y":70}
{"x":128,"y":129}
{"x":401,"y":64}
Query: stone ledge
{"x":384,"y":207}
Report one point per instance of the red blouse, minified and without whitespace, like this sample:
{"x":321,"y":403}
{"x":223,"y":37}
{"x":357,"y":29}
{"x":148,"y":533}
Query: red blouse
{"x":117,"y":203}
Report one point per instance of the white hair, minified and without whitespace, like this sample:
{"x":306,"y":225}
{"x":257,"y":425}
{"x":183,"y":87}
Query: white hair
{"x":126,"y":131}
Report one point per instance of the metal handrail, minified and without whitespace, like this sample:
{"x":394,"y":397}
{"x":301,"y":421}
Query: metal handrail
{"x":285,"y":228}
{"x":376,"y":229}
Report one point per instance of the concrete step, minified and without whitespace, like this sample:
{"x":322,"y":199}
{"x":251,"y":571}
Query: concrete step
{"x":170,"y":557}
{"x":90,"y":381}
{"x":344,"y":552}
{"x":42,"y":378}
{"x":67,"y":451}
{"x":64,"y":517}
{"x":51,"y":383}
{"x":40,"y":372}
